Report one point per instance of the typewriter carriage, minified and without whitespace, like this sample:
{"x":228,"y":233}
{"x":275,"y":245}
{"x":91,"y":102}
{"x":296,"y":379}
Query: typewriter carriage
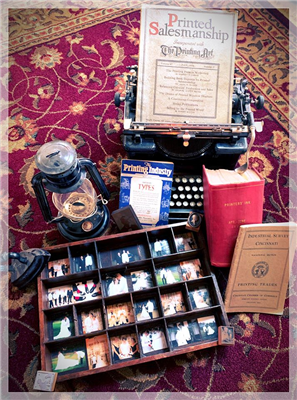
{"x":216,"y":146}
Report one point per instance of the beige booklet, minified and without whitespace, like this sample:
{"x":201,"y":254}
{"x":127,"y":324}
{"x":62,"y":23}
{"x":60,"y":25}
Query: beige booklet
{"x":260,"y":269}
{"x":186,"y":65}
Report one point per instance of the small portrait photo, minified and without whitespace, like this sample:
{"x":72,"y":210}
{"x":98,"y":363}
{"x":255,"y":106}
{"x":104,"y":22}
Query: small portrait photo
{"x":59,"y":296}
{"x":208,"y":328}
{"x":200,"y":298}
{"x":226,"y":336}
{"x":183,"y":333}
{"x":58,"y":268}
{"x":91,"y":321}
{"x":194,"y":221}
{"x":69,"y":358}
{"x":86,"y":290}
{"x":116,"y":284}
{"x":168,"y":275}
{"x":191,"y":269}
{"x":62,"y":326}
{"x":160,"y":247}
{"x":84,"y":262}
{"x":153,"y":340}
{"x":124,"y":347}
{"x":126,"y":219}
{"x":120,"y":314}
{"x":173,"y":303}
{"x":146,"y":309}
{"x":97,"y":351}
{"x":185,"y":242}
{"x":141,"y":279}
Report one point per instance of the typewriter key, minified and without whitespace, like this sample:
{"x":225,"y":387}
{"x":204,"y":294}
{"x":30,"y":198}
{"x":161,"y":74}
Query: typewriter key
{"x":184,"y":180}
{"x":172,"y":204}
{"x":191,"y":180}
{"x":178,"y":203}
{"x":182,"y":196}
{"x":177,"y":180}
{"x":201,"y":188}
{"x":189,"y":196}
{"x":188,"y":188}
{"x":198,"y":180}
{"x":192,"y":204}
{"x":175,"y":196}
{"x":199,"y":204}
{"x":180,"y":188}
{"x":185,"y":204}
{"x":196,"y":196}
{"x":194,"y":188}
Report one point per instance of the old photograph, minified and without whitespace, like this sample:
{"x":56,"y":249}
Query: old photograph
{"x":185,"y":241}
{"x":200,"y":298}
{"x":58,"y":268}
{"x":120,"y":314}
{"x":208,"y":328}
{"x":153,"y":340}
{"x":124,"y":347}
{"x":173,"y":303}
{"x":183,"y":333}
{"x":69,"y":358}
{"x":141,"y":279}
{"x":168,"y":275}
{"x":116,"y":283}
{"x":97,"y":352}
{"x":62,"y":326}
{"x":146,"y":309}
{"x":91,"y":321}
{"x":191,"y":269}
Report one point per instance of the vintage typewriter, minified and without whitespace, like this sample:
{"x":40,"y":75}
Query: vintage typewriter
{"x":189,"y":145}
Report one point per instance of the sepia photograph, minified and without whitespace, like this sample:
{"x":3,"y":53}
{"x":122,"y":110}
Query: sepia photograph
{"x":58,"y":268}
{"x":200,"y":298}
{"x":160,"y":247}
{"x":146,"y":309}
{"x":183,"y":333}
{"x":62,"y":326}
{"x":141,"y":279}
{"x":91,"y":321}
{"x":191,"y":269}
{"x":115,"y":283}
{"x":226,"y":335}
{"x":173,"y":303}
{"x":153,"y":340}
{"x":124,"y":347}
{"x":97,"y":352}
{"x":120,"y":314}
{"x":59,"y":296}
{"x":126,"y":219}
{"x":208,"y":328}
{"x":69,"y":358}
{"x":168,"y":275}
{"x":185,"y":242}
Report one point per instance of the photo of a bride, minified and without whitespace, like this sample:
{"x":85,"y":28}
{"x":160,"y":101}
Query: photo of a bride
{"x":64,"y":328}
{"x":69,"y":359}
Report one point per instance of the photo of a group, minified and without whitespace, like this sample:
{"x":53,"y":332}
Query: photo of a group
{"x":208,"y":328}
{"x":183,"y":333}
{"x":84,"y":263}
{"x":185,"y":241}
{"x":168,"y":275}
{"x":98,"y":352}
{"x":69,"y":294}
{"x":173,"y":303}
{"x":115,"y":283}
{"x":153,"y":340}
{"x":91,"y":321}
{"x":69,"y":358}
{"x":141,"y":279}
{"x":146,"y":309}
{"x":62,"y":326}
{"x":120,"y":314}
{"x":124,"y":347}
{"x":58,"y":268}
{"x":160,"y":247}
{"x":191,"y":269}
{"x":200,"y":298}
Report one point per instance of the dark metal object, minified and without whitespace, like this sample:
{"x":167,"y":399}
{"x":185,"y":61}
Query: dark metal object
{"x":26,"y":265}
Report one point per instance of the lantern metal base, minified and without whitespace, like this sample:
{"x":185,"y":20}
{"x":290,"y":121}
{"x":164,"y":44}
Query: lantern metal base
{"x":88,"y":228}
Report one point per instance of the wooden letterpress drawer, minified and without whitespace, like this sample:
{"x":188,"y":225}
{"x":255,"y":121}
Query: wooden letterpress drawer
{"x":125,"y":299}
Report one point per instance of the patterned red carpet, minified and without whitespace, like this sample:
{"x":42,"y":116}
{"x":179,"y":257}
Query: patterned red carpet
{"x":64,"y":69}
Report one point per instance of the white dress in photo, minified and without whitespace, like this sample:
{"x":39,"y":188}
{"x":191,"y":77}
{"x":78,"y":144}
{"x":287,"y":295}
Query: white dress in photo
{"x":65,"y":363}
{"x":64,"y":329}
{"x":144,"y":314}
{"x":169,"y":276}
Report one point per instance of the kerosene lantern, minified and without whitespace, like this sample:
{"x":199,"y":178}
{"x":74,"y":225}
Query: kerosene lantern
{"x":82,"y":214}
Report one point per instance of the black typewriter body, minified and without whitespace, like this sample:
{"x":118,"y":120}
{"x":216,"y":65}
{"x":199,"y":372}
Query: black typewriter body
{"x":188,"y":145}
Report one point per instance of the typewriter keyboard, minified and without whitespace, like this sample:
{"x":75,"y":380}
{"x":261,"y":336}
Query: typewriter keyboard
{"x":186,"y":196}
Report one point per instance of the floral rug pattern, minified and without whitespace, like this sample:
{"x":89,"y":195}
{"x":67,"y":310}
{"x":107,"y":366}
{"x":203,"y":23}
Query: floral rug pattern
{"x":64,"y":69}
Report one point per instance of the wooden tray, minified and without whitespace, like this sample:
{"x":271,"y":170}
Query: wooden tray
{"x":118,"y":308}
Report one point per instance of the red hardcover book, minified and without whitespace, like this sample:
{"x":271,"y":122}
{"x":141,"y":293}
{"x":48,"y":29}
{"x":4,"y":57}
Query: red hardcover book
{"x":230,"y":200}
